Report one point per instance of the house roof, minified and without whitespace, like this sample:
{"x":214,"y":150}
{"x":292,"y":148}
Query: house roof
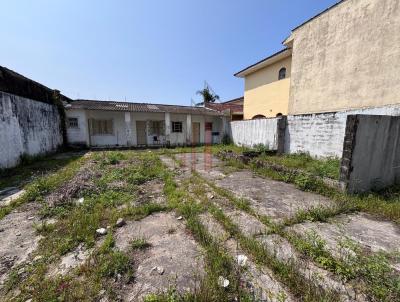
{"x":240,"y":99}
{"x":282,"y":54}
{"x":15,"y":83}
{"x":139,"y":107}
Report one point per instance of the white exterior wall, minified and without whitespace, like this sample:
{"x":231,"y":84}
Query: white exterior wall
{"x":80,"y":135}
{"x":27,"y":127}
{"x":125,"y":133}
{"x":322,"y":135}
{"x":253,"y":132}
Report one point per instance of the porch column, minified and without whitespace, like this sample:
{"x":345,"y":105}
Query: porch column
{"x":128,"y":128}
{"x":188,"y":129}
{"x":167,"y":121}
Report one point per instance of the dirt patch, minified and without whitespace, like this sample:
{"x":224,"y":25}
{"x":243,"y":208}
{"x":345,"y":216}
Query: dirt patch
{"x":82,"y":181}
{"x":173,"y":258}
{"x":18,"y":238}
{"x":275,"y":199}
{"x":151,"y":192}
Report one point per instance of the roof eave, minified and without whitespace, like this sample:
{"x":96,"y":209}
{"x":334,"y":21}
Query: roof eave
{"x":280,"y":55}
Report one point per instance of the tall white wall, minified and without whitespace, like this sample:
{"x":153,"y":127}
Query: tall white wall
{"x":253,"y":132}
{"x":27,"y":127}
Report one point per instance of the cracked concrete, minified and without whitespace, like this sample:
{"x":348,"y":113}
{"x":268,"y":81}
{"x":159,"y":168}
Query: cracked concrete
{"x":171,"y":247}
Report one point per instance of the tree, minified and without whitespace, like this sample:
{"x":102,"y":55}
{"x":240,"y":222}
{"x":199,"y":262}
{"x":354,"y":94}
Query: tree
{"x":208,"y":95}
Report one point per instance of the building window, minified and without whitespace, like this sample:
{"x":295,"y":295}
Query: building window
{"x":177,"y":127}
{"x":258,"y":116}
{"x":157,"y":128}
{"x":102,"y":127}
{"x":73,"y":122}
{"x":282,"y":73}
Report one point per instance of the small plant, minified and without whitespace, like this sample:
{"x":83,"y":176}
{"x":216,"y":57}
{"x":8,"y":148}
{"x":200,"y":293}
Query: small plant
{"x":140,"y":244}
{"x":262,"y":148}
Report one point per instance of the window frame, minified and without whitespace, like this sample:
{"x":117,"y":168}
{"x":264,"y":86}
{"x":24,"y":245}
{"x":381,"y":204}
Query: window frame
{"x":177,"y":123}
{"x":283,"y":71}
{"x":72,"y":125}
{"x":101,"y":127}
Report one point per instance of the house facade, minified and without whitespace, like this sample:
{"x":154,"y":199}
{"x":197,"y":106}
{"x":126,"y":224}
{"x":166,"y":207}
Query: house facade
{"x":106,"y":124}
{"x":267,"y":85}
{"x":345,"y":58}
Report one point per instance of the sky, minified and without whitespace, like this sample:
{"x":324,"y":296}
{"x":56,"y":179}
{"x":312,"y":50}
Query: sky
{"x":156,"y":51}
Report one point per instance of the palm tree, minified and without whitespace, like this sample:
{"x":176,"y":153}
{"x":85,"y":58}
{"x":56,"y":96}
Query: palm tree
{"x":208,"y":95}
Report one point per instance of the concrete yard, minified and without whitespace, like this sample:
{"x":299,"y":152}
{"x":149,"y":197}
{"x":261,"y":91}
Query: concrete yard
{"x":148,"y":226}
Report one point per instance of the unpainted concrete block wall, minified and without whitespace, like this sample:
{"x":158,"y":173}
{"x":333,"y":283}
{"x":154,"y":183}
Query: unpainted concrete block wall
{"x":27,"y":127}
{"x":253,"y":132}
{"x":371,"y":153}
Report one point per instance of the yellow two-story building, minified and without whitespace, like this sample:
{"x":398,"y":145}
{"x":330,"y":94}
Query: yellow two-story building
{"x":267,"y":86}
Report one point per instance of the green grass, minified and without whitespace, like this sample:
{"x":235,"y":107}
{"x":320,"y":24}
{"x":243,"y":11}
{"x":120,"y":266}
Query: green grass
{"x":32,"y":169}
{"x":368,"y":269}
{"x":218,"y":261}
{"x":327,"y":167}
{"x":139,"y":244}
{"x":41,"y":186}
{"x":77,"y":224}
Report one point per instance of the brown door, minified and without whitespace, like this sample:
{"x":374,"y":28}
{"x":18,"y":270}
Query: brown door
{"x":195,"y":133}
{"x":141,"y":132}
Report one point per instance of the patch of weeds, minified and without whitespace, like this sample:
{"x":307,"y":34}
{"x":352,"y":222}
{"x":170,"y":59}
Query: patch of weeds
{"x":218,"y":262}
{"x":139,"y":244}
{"x":287,"y":273}
{"x":37,"y":189}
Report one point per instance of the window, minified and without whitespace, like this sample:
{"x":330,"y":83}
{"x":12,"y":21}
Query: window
{"x":73,"y":122}
{"x":177,"y":127}
{"x":258,"y":116}
{"x":282,"y":73}
{"x":102,"y":127}
{"x":157,"y":128}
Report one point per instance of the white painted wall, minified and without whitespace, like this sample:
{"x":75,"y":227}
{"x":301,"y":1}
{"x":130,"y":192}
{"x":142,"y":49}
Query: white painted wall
{"x":27,"y":127}
{"x":80,"y":135}
{"x":253,"y":132}
{"x":322,"y":135}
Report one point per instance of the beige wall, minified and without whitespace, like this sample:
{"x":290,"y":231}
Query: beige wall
{"x":264,"y":94}
{"x":347,"y":58}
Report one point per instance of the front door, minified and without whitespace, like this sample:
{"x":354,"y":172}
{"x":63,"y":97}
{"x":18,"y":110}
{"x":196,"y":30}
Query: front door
{"x":195,"y":133}
{"x":141,"y":133}
{"x":208,"y":133}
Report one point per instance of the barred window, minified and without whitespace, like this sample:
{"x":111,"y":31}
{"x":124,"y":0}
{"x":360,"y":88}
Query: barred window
{"x":102,"y":127}
{"x":73,"y":122}
{"x":177,"y":127}
{"x":157,"y":128}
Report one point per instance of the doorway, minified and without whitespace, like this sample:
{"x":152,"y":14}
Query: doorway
{"x":141,"y":133}
{"x":195,"y":133}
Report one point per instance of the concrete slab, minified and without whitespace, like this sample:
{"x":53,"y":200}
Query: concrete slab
{"x":284,"y":252}
{"x":172,"y":248}
{"x":259,"y":281}
{"x":18,"y":238}
{"x":371,"y":234}
{"x":7,"y":195}
{"x":277,"y":200}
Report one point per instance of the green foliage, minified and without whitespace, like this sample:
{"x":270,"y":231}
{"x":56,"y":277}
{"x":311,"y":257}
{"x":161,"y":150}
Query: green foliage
{"x":139,"y":244}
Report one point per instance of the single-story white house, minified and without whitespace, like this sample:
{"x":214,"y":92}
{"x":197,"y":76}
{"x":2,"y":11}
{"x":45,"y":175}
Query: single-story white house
{"x":106,"y":124}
